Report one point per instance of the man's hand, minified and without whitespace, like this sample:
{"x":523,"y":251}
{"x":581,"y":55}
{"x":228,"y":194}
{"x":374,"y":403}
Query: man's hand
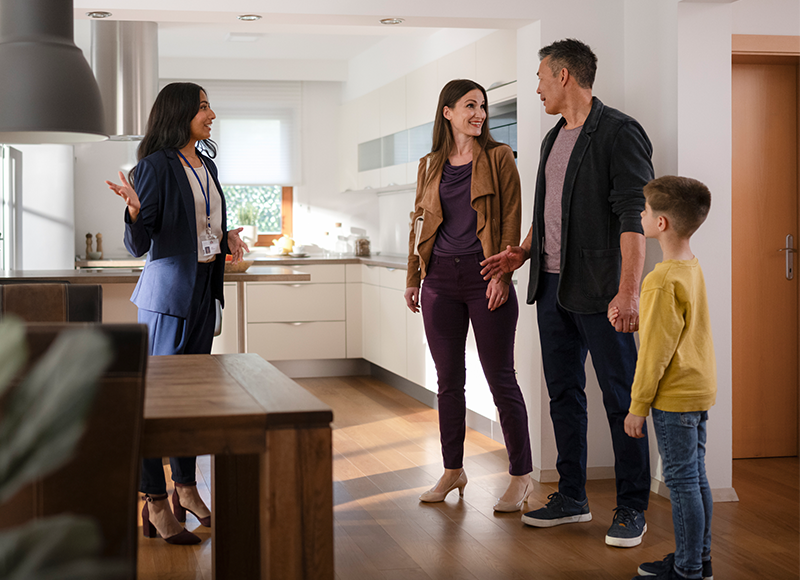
{"x":625,"y":307}
{"x":505,"y":262}
{"x":634,"y":426}
{"x":412,"y":299}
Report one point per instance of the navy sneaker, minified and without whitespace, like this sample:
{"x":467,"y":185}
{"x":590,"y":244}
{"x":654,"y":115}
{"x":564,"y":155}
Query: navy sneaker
{"x":559,"y":510}
{"x":627,"y":529}
{"x":656,"y":568}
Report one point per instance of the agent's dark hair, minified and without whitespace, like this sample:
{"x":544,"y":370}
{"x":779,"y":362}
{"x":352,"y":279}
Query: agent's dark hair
{"x":168,"y":126}
{"x":443,"y":139}
{"x":575,"y":56}
{"x":683,"y":200}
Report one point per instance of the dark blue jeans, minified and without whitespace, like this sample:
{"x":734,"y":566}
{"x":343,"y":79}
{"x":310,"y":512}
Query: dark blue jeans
{"x":682,"y":443}
{"x":566,"y":337}
{"x":453,"y":295}
{"x":174,"y":335}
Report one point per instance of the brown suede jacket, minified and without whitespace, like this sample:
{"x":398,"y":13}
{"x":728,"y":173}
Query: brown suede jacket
{"x":495,"y":196}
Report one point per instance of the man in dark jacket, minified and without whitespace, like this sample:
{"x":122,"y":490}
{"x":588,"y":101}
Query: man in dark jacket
{"x":587,"y":248}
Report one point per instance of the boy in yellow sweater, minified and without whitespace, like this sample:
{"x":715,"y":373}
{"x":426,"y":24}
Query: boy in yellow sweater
{"x":676,"y":371}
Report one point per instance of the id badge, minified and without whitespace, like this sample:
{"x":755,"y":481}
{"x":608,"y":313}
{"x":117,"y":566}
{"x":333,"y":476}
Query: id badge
{"x":210,"y":244}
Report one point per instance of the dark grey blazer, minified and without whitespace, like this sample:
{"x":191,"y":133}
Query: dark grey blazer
{"x":602,"y":198}
{"x":167,"y":230}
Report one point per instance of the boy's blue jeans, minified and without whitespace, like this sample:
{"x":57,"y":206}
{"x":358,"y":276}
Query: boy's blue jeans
{"x":682,"y":443}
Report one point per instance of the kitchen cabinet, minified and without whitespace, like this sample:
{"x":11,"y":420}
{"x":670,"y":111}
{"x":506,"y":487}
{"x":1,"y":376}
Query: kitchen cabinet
{"x":422,"y":94}
{"x":353,"y":310}
{"x":393,"y":321}
{"x":227,"y":342}
{"x":392,"y":99}
{"x":369,"y":117}
{"x":371,"y":314}
{"x":496,"y":59}
{"x":298,"y":321}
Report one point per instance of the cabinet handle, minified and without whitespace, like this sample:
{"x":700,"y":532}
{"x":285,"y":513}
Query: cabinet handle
{"x":292,"y":323}
{"x":391,"y":269}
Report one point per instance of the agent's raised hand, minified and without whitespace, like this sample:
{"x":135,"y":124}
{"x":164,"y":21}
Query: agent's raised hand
{"x":127,"y":193}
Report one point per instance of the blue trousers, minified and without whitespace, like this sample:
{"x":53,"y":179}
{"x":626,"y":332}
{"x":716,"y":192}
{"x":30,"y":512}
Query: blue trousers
{"x":566,"y":337}
{"x":175,"y":335}
{"x":453,"y":295}
{"x":682,"y":443}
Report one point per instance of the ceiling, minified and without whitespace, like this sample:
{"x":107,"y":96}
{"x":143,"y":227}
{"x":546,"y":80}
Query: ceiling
{"x":304,"y":30}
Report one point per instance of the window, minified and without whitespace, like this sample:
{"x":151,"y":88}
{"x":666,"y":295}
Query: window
{"x":257,"y":131}
{"x":274,"y":204}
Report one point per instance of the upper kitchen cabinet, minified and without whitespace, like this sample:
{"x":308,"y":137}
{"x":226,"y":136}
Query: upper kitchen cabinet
{"x":348,"y":151}
{"x":460,"y":64}
{"x":422,"y":94}
{"x":369,"y":117}
{"x":393,"y":107}
{"x":496,"y":58}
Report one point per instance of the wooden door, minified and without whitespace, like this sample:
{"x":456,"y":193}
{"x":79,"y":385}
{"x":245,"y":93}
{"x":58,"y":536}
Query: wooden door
{"x":765,"y":303}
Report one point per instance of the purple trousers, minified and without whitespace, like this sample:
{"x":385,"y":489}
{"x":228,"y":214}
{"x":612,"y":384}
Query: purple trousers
{"x":453,"y":295}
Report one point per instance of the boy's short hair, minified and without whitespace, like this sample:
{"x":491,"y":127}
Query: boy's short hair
{"x":575,"y":56}
{"x":685,"y":202}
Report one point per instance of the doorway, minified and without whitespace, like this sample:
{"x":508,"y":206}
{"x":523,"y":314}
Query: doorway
{"x":765,"y":90}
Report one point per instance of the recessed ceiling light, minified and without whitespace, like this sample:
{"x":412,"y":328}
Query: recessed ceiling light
{"x":98,"y":14}
{"x":249,"y":17}
{"x":392,"y":20}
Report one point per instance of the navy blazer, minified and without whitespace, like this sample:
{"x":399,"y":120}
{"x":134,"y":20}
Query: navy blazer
{"x":166,"y":229}
{"x":601,"y":199}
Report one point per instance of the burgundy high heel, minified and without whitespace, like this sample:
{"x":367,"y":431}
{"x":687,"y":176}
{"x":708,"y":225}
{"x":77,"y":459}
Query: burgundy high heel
{"x":185,"y":537}
{"x":180,"y":511}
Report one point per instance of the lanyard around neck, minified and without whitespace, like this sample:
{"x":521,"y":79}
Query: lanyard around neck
{"x":206,"y":192}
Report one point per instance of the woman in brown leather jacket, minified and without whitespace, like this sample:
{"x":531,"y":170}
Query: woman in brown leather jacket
{"x":467,"y":208}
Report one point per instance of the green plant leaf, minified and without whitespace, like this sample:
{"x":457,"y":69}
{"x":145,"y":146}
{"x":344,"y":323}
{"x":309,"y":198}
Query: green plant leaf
{"x":56,"y":548}
{"x":13,"y":350}
{"x":45,"y":415}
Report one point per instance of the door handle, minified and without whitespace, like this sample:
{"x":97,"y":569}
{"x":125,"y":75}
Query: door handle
{"x":790,"y":250}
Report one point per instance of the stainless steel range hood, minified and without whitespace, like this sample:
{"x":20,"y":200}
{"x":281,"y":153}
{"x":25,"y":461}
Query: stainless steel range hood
{"x":125,"y":64}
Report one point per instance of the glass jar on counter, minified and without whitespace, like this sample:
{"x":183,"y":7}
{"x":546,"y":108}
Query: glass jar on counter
{"x":362,"y":246}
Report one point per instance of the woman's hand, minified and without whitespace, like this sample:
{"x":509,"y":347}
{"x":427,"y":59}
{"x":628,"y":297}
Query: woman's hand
{"x":496,"y":293}
{"x":412,"y":299}
{"x":126,"y":192}
{"x":236,"y":247}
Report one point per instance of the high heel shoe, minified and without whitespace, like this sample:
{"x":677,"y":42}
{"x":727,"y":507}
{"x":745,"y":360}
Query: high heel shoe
{"x":184,"y":537}
{"x":431,"y":496}
{"x":509,"y":506}
{"x":180,"y":511}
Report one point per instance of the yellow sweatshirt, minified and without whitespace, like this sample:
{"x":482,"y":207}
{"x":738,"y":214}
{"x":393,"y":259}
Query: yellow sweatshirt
{"x":676,"y":370}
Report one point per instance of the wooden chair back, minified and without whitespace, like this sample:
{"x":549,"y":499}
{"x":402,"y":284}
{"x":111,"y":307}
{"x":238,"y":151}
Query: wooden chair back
{"x":42,"y":301}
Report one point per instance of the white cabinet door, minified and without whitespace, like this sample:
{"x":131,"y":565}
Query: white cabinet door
{"x":371,"y":323}
{"x":422,"y":94}
{"x":297,"y":341}
{"x":393,"y":331}
{"x":496,"y":58}
{"x":393,"y":107}
{"x":228,"y":341}
{"x":295,"y":302}
{"x":369,"y":117}
{"x":421,"y":369}
{"x":353,"y":317}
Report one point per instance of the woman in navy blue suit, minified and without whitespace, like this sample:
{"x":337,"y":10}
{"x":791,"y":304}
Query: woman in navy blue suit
{"x":176,"y":214}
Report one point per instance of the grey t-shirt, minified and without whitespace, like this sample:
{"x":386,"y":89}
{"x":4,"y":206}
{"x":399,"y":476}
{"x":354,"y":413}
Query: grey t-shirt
{"x":555,"y":170}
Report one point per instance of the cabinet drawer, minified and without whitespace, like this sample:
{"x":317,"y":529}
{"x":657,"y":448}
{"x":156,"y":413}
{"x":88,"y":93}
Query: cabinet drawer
{"x":294,"y":302}
{"x":371,"y":275}
{"x":298,"y":341}
{"x":320,"y":274}
{"x":394,"y":278}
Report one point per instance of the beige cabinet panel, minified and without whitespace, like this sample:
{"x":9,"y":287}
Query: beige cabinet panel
{"x":371,"y":323}
{"x":371,"y":274}
{"x":353,"y":316}
{"x":369,"y":117}
{"x":496,"y":58}
{"x":294,"y":302}
{"x":393,"y":175}
{"x":352,"y":272}
{"x":228,"y":341}
{"x":394,"y":278}
{"x":297,"y":341}
{"x":393,"y":107}
{"x":393,"y":331}
{"x":422,"y":94}
{"x":369,"y":179}
{"x":117,"y":305}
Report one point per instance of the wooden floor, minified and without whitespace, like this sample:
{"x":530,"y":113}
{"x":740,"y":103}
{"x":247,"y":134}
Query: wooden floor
{"x":386,"y":452}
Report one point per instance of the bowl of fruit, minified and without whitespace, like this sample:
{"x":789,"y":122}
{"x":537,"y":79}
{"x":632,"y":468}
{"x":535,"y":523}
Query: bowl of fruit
{"x":238,"y":267}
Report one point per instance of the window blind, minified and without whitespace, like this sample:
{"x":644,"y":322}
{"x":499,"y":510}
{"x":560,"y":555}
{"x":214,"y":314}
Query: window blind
{"x":257,"y":130}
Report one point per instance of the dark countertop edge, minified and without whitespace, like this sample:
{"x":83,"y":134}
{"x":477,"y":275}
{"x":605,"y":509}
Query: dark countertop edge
{"x":272,"y":273}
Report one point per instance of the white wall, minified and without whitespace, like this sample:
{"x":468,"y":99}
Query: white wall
{"x":48,"y":207}
{"x":768,"y":17}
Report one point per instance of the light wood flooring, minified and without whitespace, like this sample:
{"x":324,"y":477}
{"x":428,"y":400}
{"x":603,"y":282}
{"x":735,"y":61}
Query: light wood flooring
{"x":386,"y":452}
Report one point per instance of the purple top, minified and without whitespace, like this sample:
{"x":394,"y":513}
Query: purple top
{"x":457,"y":235}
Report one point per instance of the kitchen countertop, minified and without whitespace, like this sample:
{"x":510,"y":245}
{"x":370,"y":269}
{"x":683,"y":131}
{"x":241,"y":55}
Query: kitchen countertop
{"x":382,"y":260}
{"x":256,"y":273}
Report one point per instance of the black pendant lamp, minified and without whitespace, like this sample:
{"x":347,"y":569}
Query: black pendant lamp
{"x":48,"y":93}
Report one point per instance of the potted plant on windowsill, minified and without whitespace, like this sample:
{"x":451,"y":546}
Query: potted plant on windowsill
{"x":247,"y":215}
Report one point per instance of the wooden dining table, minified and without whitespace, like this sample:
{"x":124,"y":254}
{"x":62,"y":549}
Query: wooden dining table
{"x":272,"y":497}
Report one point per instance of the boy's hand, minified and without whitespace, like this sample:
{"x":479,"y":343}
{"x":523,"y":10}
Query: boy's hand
{"x":613,"y":314}
{"x":634,"y":426}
